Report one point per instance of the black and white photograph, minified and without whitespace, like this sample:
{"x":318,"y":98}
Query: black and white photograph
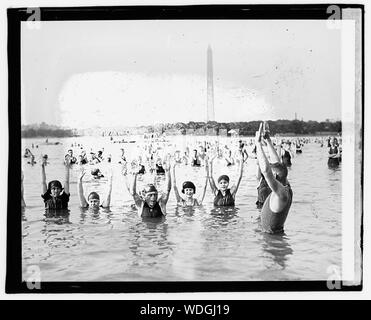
{"x":188,"y":146}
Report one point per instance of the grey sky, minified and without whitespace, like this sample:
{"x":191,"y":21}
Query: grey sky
{"x":85,"y":73}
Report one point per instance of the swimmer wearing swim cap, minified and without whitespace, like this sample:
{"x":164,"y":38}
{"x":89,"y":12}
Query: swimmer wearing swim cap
{"x":189,"y":190}
{"x":93,"y":200}
{"x":148,"y":203}
{"x":55,"y":196}
{"x":225,"y":196}
{"x":277,"y":205}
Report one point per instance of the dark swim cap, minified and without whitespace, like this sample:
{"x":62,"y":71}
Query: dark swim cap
{"x":95,"y":171}
{"x":223,"y":177}
{"x":149,"y":188}
{"x":190,"y":185}
{"x":54,"y":183}
{"x":93,"y":195}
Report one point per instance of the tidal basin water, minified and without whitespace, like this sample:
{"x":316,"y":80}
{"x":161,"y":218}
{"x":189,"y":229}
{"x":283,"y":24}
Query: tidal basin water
{"x":201,"y":244}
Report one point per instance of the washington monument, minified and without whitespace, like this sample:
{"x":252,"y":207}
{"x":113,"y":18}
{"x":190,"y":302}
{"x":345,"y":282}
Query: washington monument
{"x":210,"y":86}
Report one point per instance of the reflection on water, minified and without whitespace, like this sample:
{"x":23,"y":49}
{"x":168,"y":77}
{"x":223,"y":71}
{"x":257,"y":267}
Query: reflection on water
{"x":200,"y":243}
{"x":278,"y":247}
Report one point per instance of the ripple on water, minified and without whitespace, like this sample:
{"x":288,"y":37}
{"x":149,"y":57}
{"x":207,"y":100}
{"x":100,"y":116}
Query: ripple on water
{"x":205,"y":243}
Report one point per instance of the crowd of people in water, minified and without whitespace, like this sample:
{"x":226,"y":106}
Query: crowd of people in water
{"x":273,"y":157}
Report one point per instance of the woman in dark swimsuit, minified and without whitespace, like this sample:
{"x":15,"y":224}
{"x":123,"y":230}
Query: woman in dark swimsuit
{"x":196,"y":161}
{"x":333,"y":154}
{"x":224,"y":196}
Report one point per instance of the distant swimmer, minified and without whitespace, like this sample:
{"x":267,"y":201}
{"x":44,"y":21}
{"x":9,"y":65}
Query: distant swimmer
{"x":142,"y":169}
{"x":242,"y":149}
{"x":123,"y":157}
{"x":195,"y":159}
{"x":93,"y":200}
{"x":27,"y":153}
{"x":148,"y":203}
{"x":277,"y":205}
{"x":96,"y":173}
{"x":70,"y":157}
{"x":229,"y":158}
{"x":299,"y":146}
{"x":333,"y":153}
{"x":83,"y":159}
{"x":224,"y":196}
{"x":159,"y":168}
{"x":54,"y":195}
{"x":177,"y":157}
{"x":189,"y":190}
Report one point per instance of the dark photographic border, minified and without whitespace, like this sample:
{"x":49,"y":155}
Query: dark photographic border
{"x":14,"y":282}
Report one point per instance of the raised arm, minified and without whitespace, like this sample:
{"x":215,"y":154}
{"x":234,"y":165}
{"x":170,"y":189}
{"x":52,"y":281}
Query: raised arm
{"x":211,"y":178}
{"x":264,"y":165}
{"x":240,"y":170}
{"x":43,"y":176}
{"x":80,"y":189}
{"x":138,"y":201}
{"x":67,"y":167}
{"x":273,"y":155}
{"x":207,"y":178}
{"x":258,"y":171}
{"x":177,"y":196}
{"x":124,"y":172}
{"x":165,"y":196}
{"x":107,"y":201}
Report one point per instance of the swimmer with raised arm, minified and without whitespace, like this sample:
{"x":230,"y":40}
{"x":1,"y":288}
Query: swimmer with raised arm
{"x":54,"y":195}
{"x":93,"y":200}
{"x":189,"y":190}
{"x":149,"y":205}
{"x":224,"y":196}
{"x":278,"y":203}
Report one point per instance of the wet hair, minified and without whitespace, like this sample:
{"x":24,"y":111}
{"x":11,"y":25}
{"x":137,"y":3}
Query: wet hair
{"x":190,"y":185}
{"x":54,"y":183}
{"x":281,"y":171}
{"x":93,"y":195}
{"x":223,"y":177}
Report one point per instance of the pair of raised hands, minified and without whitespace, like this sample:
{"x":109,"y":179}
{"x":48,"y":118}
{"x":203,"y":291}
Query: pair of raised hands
{"x":262,"y":133}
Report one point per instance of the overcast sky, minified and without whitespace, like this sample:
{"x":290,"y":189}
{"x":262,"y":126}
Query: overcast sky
{"x":111,"y":73}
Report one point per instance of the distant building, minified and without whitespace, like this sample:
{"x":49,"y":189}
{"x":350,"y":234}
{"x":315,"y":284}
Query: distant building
{"x":199,"y":132}
{"x":234,"y":132}
{"x":223,"y":132}
{"x":211,"y":131}
{"x":173,"y":132}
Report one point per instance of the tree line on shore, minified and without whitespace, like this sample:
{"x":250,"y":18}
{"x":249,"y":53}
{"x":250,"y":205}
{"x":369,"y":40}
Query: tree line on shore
{"x":243,"y":128}
{"x":249,"y":128}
